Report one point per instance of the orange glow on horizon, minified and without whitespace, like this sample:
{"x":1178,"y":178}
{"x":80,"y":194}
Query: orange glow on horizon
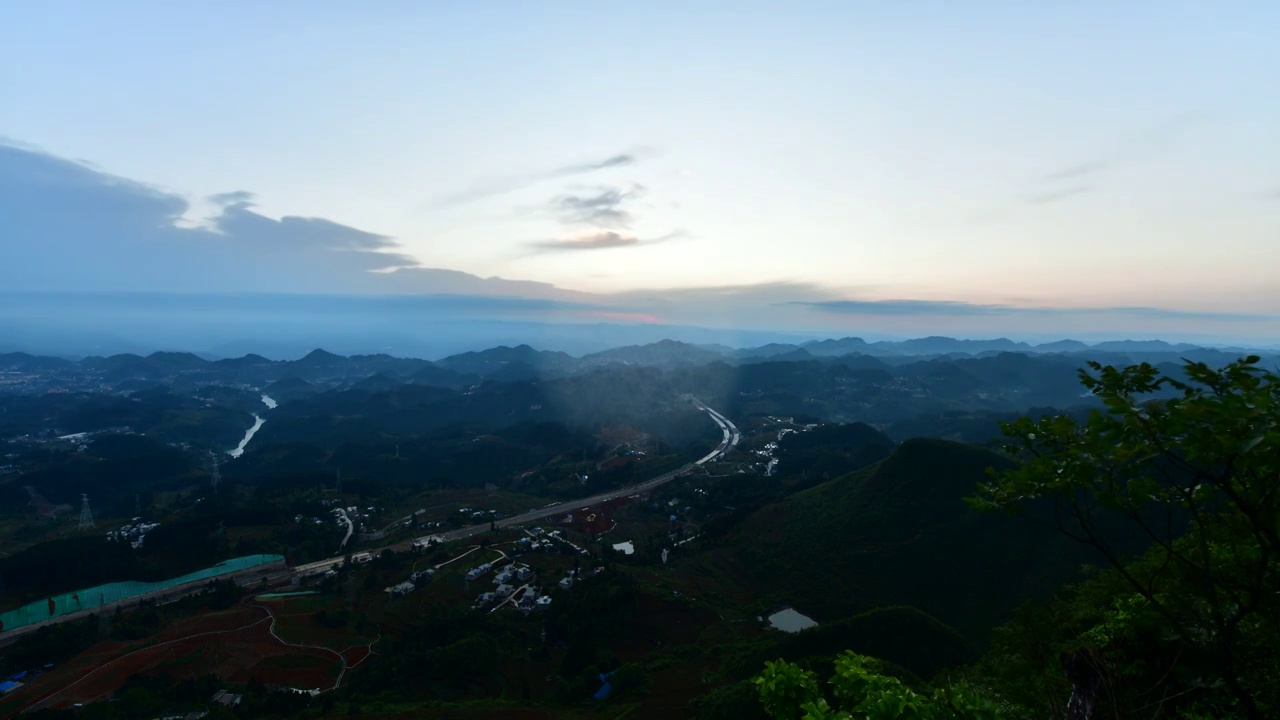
{"x":636,"y":317}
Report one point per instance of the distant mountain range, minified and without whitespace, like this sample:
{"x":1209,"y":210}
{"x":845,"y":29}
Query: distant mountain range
{"x":523,"y":362}
{"x":287,"y":326}
{"x":937,"y":345}
{"x":933,"y":363}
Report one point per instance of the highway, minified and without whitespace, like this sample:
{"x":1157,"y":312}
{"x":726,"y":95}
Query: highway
{"x":272,"y":574}
{"x":730,"y":439}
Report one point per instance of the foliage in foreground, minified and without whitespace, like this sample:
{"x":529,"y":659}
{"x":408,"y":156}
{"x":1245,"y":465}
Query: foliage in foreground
{"x":1188,"y":629}
{"x":1193,"y":625}
{"x":861,"y":690}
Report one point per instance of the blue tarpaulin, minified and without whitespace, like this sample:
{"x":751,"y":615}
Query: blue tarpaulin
{"x":603,"y":692}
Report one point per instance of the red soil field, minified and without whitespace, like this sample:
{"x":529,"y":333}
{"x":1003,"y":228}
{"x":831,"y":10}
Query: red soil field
{"x":356,"y":655}
{"x":234,"y":645}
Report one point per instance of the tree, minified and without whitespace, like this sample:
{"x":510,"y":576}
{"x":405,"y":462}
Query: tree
{"x":139,"y":702}
{"x":1197,"y":472}
{"x":789,"y":692}
{"x":629,"y":680}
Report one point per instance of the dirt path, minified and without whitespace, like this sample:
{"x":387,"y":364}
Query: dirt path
{"x":146,"y":648}
{"x":270,"y":618}
{"x":342,"y":658}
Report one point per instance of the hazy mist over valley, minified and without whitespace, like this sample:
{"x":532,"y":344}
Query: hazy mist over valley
{"x":761,"y":361}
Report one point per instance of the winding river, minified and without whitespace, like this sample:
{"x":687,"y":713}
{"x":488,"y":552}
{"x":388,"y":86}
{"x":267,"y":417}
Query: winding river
{"x":258,"y":422}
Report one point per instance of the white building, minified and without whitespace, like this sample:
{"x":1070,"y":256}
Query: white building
{"x":403,"y":588}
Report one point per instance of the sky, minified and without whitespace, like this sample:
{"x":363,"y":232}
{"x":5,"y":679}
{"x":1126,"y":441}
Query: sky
{"x":980,"y":168}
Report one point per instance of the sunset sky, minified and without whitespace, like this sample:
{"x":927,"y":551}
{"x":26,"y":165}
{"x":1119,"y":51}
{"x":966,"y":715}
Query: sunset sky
{"x":971,"y":168}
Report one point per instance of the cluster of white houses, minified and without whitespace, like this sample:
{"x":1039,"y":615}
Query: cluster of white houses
{"x":134,"y":533}
{"x":418,"y":577}
{"x":524,"y":598}
{"x":508,"y":574}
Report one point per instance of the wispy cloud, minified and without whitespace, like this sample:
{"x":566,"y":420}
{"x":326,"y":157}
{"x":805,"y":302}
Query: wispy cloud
{"x":603,"y":208}
{"x":502,"y":186}
{"x":620,"y":160}
{"x":598,"y":241}
{"x":964,"y":309}
{"x":1087,"y":176}
{"x":1053,"y":196}
{"x":621,"y":316}
{"x":1077,"y":171}
{"x":1067,"y":182}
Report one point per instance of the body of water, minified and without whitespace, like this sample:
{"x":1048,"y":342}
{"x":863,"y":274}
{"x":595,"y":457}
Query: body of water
{"x":258,"y":421}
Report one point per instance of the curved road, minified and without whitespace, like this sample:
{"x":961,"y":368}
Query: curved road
{"x":730,"y":439}
{"x":350,"y":528}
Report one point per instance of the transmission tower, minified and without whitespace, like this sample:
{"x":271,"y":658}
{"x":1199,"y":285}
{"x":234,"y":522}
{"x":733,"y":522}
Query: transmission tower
{"x":86,"y":515}
{"x":217,"y":473}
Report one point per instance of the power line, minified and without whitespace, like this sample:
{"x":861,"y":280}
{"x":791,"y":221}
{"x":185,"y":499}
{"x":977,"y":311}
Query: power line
{"x":86,"y":515}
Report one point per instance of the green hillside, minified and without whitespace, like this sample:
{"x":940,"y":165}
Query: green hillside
{"x":899,"y":533}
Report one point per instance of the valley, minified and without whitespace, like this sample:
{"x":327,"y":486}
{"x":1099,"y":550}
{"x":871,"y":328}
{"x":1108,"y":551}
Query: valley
{"x":509,"y":530}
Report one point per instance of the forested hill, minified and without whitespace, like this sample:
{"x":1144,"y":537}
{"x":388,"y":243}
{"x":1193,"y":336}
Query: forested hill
{"x":899,"y":533}
{"x":524,"y":362}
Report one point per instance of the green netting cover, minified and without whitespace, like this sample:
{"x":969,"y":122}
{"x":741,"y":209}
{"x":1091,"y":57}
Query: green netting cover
{"x":95,"y":597}
{"x":279,"y":595}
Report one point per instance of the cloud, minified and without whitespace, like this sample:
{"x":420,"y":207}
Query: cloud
{"x":620,"y":160}
{"x":1054,"y":196}
{"x":235,"y":197}
{"x":502,"y":186}
{"x":604,"y":240}
{"x":604,"y":208}
{"x":1077,"y":171}
{"x":70,"y":227}
{"x":1168,"y":314}
{"x":1084,"y":177}
{"x":622,"y":316}
{"x":754,"y":294}
{"x":963,"y":309}
{"x":902,"y":307}
{"x":1067,"y":182}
